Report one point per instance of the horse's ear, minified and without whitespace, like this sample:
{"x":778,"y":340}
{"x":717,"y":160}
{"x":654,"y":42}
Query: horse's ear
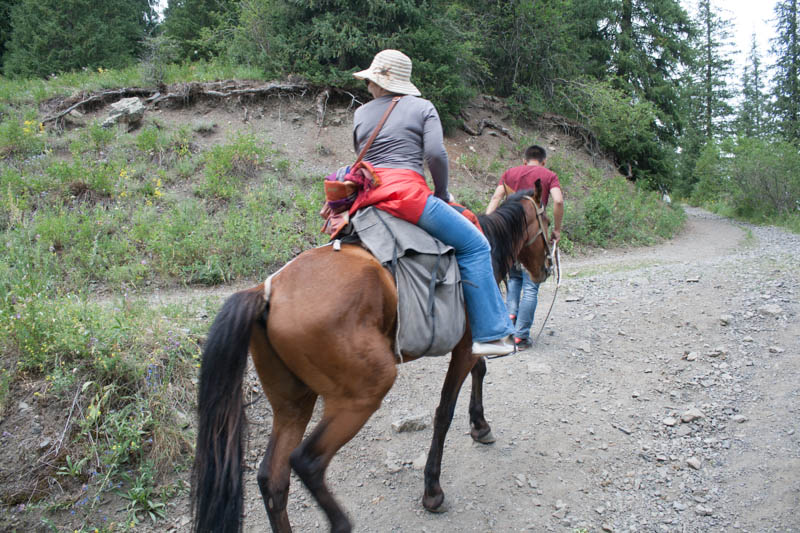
{"x":538,"y":187}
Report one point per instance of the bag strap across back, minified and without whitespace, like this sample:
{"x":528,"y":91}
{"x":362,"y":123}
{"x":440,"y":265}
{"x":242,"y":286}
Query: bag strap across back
{"x":377,"y":130}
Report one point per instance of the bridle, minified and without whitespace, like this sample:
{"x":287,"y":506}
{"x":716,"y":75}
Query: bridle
{"x":539,"y":209}
{"x":553,"y":258}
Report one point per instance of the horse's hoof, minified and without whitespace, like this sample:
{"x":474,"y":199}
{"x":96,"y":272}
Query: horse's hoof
{"x":486,"y":437}
{"x":434,"y":505}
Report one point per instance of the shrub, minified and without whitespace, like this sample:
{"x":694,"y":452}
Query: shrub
{"x":756,"y":179}
{"x":326,"y":42}
{"x":21,"y":137}
{"x":228,"y":165}
{"x":617,"y":212}
{"x":624,"y":126}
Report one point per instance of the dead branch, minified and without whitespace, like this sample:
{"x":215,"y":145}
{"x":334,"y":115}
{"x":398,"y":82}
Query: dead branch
{"x":353,"y":98}
{"x":482,"y":125}
{"x":322,"y":105}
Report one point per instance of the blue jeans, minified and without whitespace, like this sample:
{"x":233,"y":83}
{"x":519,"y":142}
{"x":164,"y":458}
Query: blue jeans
{"x":488,"y":317}
{"x":521,"y":299}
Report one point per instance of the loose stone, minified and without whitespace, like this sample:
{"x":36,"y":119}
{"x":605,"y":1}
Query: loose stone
{"x":694,"y":462}
{"x":770,"y":310}
{"x":702,"y":510}
{"x":411,"y":423}
{"x":691,"y":415}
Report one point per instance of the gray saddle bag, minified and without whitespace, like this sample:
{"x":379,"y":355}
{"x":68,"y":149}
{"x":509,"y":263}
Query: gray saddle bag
{"x":430,"y":306}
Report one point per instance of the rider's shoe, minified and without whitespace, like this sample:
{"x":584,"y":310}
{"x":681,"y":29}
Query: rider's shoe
{"x":522,"y":344}
{"x":496,"y":348}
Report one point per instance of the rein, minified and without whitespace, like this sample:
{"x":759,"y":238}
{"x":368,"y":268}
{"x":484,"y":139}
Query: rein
{"x":557,"y":266}
{"x":552,"y":255}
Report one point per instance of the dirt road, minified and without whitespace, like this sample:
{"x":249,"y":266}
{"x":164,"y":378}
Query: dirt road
{"x":662,"y":396}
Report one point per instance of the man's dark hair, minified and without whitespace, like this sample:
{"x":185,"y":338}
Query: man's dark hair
{"x":536,"y":152}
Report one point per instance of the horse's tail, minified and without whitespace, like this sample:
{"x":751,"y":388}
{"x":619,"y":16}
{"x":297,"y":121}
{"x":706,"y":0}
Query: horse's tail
{"x":217,"y":491}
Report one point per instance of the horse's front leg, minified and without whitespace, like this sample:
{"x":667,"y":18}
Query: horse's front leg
{"x":461,"y":362}
{"x":479,"y":427}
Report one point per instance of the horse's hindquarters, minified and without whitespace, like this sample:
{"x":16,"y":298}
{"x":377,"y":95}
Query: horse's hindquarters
{"x":333,"y":310}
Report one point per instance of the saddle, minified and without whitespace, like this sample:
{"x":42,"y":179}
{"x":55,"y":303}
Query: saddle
{"x":430,"y":304}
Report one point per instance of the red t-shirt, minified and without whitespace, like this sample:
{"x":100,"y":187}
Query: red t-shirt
{"x":524,"y":177}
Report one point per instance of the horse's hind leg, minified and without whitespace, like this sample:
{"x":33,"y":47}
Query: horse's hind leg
{"x":292,"y":406}
{"x":479,"y":427}
{"x":343,"y":418}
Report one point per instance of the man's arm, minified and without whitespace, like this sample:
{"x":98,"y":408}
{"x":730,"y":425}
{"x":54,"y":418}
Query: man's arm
{"x":497,"y":197}
{"x":558,"y":212}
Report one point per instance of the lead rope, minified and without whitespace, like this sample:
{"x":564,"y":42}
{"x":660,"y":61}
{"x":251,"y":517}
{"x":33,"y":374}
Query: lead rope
{"x":557,"y":263}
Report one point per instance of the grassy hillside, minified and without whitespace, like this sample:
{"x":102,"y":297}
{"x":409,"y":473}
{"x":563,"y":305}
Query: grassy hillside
{"x":97,"y":370}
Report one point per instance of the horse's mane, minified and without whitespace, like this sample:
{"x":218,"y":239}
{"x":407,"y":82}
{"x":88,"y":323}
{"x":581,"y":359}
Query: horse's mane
{"x":504,"y":228}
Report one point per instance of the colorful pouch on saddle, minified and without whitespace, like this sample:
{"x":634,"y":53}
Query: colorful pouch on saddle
{"x":341,"y":190}
{"x":430,"y":301}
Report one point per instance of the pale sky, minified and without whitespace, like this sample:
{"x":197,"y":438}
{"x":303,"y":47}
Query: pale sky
{"x":747,"y":16}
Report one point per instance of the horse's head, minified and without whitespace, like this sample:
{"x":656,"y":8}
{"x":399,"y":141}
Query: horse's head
{"x":535,"y":252}
{"x":517,"y":231}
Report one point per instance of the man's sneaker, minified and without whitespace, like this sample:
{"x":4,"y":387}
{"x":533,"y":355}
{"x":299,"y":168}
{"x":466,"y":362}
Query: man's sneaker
{"x":522,"y":344}
{"x":496,"y":348}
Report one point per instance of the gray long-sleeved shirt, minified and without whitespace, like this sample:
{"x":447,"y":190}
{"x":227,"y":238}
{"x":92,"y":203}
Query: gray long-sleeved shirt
{"x":411,"y":134}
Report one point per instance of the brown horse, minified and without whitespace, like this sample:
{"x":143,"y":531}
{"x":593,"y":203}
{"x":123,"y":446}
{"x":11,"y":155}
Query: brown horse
{"x":324,"y":326}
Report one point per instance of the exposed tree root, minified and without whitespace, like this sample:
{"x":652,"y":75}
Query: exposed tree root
{"x":573,"y":129}
{"x":178,"y":95}
{"x":482,"y":125}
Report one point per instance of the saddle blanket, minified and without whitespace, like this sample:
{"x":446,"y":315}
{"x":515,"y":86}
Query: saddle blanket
{"x":430,"y":304}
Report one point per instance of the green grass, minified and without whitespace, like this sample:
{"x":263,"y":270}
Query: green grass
{"x":127,"y":366}
{"x":123,"y":211}
{"x":35,"y":91}
{"x":790,"y":221}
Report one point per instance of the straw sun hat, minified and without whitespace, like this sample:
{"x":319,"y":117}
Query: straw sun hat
{"x":390,"y":69}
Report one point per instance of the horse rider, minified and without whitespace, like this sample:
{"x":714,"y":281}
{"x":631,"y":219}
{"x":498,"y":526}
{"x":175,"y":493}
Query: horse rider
{"x":411,"y":135}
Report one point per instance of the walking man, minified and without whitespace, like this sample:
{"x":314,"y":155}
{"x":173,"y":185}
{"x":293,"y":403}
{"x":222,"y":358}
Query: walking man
{"x":522,"y":292}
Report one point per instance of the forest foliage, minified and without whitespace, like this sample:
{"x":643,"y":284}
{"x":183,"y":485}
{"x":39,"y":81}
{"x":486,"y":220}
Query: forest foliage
{"x":653,"y":80}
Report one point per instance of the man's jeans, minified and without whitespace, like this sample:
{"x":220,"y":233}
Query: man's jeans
{"x":520,"y":284}
{"x":488,"y":317}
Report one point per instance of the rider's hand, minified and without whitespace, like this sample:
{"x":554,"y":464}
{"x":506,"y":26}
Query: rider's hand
{"x":555,"y":236}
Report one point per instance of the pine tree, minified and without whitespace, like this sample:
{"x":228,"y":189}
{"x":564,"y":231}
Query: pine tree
{"x":50,"y":36}
{"x":528,"y":45}
{"x":651,"y":44}
{"x":786,"y":77}
{"x":187,"y":22}
{"x":713,"y":69}
{"x":751,"y":116}
{"x":5,"y":25}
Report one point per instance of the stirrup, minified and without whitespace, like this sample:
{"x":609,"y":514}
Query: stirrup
{"x":497,"y":348}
